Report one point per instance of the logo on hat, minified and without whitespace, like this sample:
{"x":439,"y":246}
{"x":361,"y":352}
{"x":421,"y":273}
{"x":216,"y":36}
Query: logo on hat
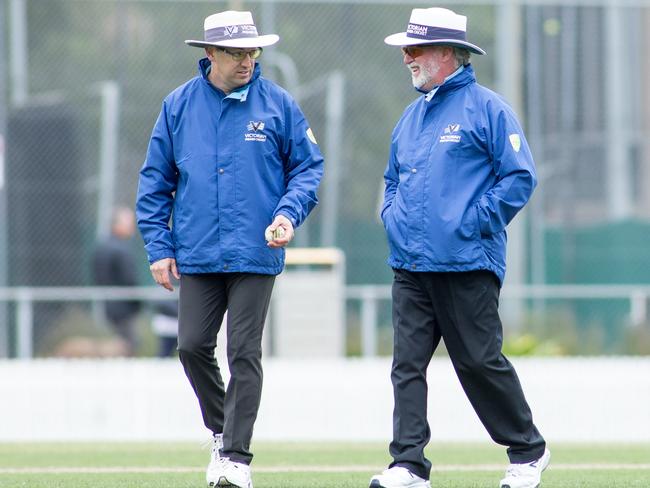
{"x":420,"y":30}
{"x":230,"y":30}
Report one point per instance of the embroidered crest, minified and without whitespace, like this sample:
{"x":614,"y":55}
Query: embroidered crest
{"x":254,"y":133}
{"x":451,"y":128}
{"x":515,"y":141}
{"x":255,"y":126}
{"x":451,"y":133}
{"x":310,"y":135}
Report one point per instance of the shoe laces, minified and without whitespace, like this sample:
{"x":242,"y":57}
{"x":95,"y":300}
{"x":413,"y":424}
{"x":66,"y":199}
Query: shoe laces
{"x":215,"y":445}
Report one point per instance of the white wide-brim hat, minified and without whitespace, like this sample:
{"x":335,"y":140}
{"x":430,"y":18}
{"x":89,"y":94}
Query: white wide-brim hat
{"x":232,"y":29}
{"x":434,"y":26}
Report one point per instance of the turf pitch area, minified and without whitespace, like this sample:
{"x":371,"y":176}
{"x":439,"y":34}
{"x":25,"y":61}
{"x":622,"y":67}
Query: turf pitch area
{"x":305,"y":465}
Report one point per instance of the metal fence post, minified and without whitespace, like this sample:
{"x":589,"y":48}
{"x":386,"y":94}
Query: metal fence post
{"x":368,"y":322}
{"x":18,"y":57}
{"x":108,"y":153}
{"x":4,"y":327}
{"x":25,"y":324}
{"x":619,"y":185}
{"x":638,"y":308}
{"x":508,"y":42}
{"x":334,"y":114}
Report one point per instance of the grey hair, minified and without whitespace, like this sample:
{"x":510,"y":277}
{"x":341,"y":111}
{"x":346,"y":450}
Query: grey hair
{"x":462,"y":56}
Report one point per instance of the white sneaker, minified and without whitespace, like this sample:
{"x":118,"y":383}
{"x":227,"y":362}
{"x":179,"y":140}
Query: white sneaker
{"x":234,"y":475}
{"x":526,"y":475}
{"x":398,"y":477}
{"x":215,"y":468}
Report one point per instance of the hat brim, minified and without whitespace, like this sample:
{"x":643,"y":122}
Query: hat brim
{"x":401,"y":39}
{"x":260,"y":41}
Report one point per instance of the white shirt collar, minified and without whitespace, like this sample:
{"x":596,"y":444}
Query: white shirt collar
{"x":433,"y":91}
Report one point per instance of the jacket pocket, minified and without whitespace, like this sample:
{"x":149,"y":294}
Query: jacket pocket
{"x":397,"y":238}
{"x":470,"y":226}
{"x":384,"y":215}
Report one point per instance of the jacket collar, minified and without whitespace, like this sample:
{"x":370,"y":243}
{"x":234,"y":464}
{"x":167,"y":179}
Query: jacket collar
{"x":240,"y":93}
{"x":463,"y":78}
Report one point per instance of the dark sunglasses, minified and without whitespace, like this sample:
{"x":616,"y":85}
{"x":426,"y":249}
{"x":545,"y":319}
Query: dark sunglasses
{"x":413,"y":51}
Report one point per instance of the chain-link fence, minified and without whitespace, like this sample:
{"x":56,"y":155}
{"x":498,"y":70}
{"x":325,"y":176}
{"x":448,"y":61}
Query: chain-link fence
{"x":84,"y":80}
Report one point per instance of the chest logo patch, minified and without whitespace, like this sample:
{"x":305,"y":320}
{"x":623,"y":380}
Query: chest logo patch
{"x":451,"y":134}
{"x":254,"y":133}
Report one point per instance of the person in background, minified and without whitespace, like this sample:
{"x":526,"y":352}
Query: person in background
{"x":459,"y":170}
{"x":164,"y":323}
{"x":235,"y":162}
{"x":114,"y":264}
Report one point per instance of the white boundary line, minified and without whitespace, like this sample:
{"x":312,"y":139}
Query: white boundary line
{"x":311,"y":468}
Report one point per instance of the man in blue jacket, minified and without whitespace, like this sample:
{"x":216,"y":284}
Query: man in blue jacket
{"x":233,"y":164}
{"x":459,"y":170}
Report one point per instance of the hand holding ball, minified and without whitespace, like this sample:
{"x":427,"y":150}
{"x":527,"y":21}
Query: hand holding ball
{"x":273,"y":235}
{"x":281,"y":234}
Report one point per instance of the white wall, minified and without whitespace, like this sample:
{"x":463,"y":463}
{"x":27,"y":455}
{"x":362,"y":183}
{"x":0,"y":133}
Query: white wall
{"x":599,"y":399}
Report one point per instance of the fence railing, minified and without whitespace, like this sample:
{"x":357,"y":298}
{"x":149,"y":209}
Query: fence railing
{"x":368,"y":297}
{"x":25,"y":297}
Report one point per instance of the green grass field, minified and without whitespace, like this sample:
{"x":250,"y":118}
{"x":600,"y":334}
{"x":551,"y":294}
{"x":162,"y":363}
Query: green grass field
{"x":305,"y":465}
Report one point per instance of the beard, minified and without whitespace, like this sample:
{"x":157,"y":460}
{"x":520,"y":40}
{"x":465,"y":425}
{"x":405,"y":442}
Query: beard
{"x":426,"y":73}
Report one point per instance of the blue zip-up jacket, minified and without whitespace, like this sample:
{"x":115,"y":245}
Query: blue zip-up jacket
{"x":459,"y":170}
{"x":221,"y":168}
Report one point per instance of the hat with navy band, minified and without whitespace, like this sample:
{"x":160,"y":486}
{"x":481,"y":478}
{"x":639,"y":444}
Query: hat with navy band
{"x":232,"y":29}
{"x":437,"y":26}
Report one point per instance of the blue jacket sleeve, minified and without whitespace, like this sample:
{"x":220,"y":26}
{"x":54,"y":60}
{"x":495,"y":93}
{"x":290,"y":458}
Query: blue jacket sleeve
{"x":156,"y":186}
{"x":514,"y":168}
{"x":303,"y":167}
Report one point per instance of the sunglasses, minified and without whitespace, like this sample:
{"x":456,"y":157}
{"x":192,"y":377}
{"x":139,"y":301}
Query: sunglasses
{"x":413,"y":51}
{"x":240,"y":55}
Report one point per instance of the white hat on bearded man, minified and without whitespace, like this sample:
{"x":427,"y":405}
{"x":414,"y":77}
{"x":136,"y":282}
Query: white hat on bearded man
{"x":434,"y":26}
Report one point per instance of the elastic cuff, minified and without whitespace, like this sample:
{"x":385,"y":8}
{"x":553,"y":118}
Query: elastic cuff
{"x":235,"y":458}
{"x":523,"y":457}
{"x":413,"y":468}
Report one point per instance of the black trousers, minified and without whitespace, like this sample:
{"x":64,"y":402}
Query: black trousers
{"x":462,"y":309}
{"x":204,"y":298}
